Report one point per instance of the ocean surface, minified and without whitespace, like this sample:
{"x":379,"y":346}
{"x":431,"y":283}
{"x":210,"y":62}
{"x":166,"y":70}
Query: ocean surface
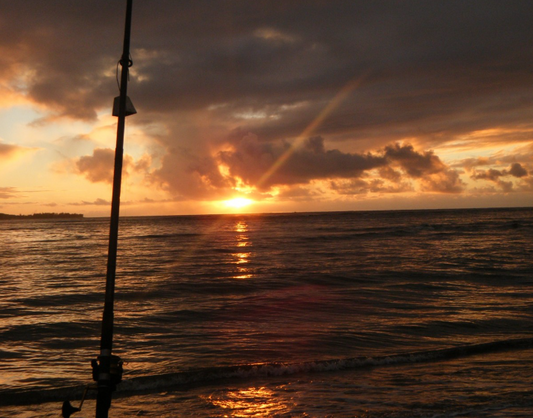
{"x":353,"y":314}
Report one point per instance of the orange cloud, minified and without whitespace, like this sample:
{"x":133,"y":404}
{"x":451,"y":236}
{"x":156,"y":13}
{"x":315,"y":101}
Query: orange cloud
{"x":397,"y":164}
{"x":9,"y":151}
{"x":8,"y":192}
{"x":99,"y":166}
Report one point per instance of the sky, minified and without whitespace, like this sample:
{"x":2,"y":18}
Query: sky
{"x":267,"y":106}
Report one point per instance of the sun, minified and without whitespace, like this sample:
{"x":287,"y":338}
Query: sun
{"x":238,"y":203}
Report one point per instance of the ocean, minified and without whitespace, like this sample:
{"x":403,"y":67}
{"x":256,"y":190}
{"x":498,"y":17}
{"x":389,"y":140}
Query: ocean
{"x":350,"y":314}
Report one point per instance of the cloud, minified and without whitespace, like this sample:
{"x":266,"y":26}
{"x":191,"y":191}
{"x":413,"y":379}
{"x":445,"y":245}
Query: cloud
{"x":226,"y":88}
{"x":434,"y":174}
{"x":365,"y":186}
{"x":251,"y":159}
{"x":96,"y":202}
{"x":470,"y":163}
{"x":184,"y":173}
{"x":516,"y":170}
{"x":54,"y":61}
{"x":445,"y":181}
{"x":10,"y":151}
{"x":265,"y":165}
{"x":8,"y":192}
{"x":6,"y":150}
{"x":415,"y":164}
{"x":261,"y":55}
{"x":490,"y":174}
{"x":298,"y":194}
{"x":99,"y":167}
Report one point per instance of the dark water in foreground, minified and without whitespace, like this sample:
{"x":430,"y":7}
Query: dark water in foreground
{"x":361,"y":314}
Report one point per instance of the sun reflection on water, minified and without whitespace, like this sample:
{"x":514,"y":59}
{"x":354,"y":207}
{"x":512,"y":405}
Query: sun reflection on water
{"x":241,"y":226}
{"x":241,"y":257}
{"x":249,"y":402}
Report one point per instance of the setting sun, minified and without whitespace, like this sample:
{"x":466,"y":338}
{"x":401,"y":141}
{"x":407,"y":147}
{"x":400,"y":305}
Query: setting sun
{"x":238,"y":202}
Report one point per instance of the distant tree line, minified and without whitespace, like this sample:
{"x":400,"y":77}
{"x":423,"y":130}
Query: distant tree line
{"x":44,"y":215}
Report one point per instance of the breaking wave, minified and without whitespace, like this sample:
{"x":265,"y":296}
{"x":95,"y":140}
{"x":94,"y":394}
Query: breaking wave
{"x":205,"y":376}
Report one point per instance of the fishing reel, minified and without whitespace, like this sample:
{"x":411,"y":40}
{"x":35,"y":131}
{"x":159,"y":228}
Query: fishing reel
{"x":114,"y":377}
{"x":115,"y":370}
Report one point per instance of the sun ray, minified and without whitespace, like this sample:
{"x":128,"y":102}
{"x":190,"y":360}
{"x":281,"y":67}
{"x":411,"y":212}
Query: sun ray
{"x":330,"y":107}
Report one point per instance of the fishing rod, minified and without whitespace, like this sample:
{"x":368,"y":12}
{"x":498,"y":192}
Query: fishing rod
{"x":107,"y":368}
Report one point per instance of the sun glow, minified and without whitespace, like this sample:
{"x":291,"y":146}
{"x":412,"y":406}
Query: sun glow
{"x":238,"y":203}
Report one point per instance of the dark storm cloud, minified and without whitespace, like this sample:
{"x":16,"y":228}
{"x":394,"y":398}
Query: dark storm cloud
{"x":57,"y":51}
{"x":423,"y":58}
{"x":430,"y":67}
{"x":426,"y":69}
{"x":252,"y":159}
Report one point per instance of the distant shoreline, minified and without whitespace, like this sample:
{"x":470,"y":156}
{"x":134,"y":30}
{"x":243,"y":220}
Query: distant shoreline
{"x":5,"y":216}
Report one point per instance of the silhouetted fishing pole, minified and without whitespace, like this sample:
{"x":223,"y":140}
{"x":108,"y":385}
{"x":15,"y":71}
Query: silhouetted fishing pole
{"x":107,"y":368}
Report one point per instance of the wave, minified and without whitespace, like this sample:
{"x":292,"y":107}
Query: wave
{"x":204,"y":376}
{"x":438,"y":229}
{"x":164,"y":236}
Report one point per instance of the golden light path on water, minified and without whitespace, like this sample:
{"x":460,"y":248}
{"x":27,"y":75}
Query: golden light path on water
{"x":241,"y":256}
{"x":249,"y":402}
{"x":239,"y":246}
